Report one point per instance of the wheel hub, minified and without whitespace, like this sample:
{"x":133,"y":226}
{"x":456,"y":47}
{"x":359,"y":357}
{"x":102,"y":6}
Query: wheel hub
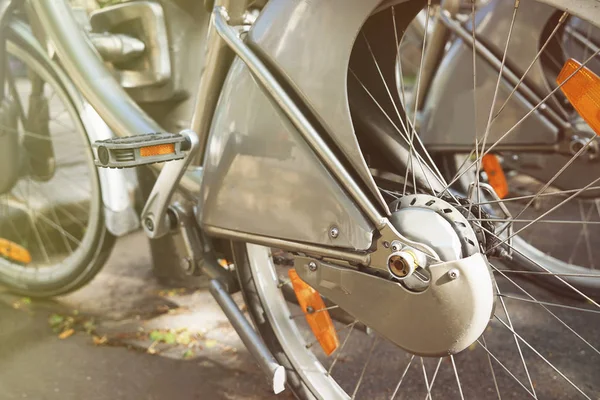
{"x":440,"y":315}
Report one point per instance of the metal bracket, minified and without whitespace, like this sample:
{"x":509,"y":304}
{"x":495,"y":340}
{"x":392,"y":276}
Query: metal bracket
{"x":154,"y":216}
{"x":507,"y":215}
{"x":458,"y":303}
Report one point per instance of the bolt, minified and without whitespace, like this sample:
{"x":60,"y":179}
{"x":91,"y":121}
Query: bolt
{"x":310,"y":310}
{"x":149,"y":224}
{"x":453,"y":274}
{"x":312,"y":266}
{"x":334,"y":232}
{"x":401,"y":264}
{"x":386,"y":244}
{"x":186,"y":264}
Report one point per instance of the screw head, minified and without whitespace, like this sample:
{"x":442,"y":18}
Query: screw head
{"x":334,"y":232}
{"x":386,"y":244}
{"x":149,"y":224}
{"x":453,"y":274}
{"x":312,"y":266}
{"x":186,"y":264}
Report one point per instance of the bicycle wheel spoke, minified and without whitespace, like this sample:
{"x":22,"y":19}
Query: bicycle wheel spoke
{"x":548,"y":303}
{"x":579,"y":292}
{"x":520,"y":351}
{"x":547,"y":310}
{"x":492,"y":369}
{"x":421,"y":162}
{"x":556,"y":175}
{"x":402,"y":377}
{"x":313,"y":312}
{"x":512,"y":271}
{"x":416,"y":102}
{"x":545,"y":221}
{"x":518,"y":198}
{"x":505,"y":368}
{"x":339,"y":351}
{"x":430,"y":386}
{"x":350,"y":325}
{"x":561,"y":20}
{"x":36,"y":231}
{"x":457,"y":378}
{"x":518,"y":123}
{"x":410,"y":135}
{"x":362,"y":374}
{"x":543,"y":358}
{"x":502,"y":241}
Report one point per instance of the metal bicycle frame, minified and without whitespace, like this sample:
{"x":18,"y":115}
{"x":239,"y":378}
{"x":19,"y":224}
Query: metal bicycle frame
{"x":125,"y":117}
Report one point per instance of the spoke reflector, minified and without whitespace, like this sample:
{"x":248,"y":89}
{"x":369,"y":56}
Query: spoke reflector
{"x":583,"y":92}
{"x":495,"y":174}
{"x":13,"y":252}
{"x":317,"y":317}
{"x":157,"y":150}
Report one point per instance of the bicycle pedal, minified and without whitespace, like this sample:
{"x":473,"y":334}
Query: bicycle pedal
{"x":133,"y":151}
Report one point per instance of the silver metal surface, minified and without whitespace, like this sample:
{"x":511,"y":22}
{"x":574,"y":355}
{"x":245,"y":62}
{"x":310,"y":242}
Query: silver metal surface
{"x":297,"y":118}
{"x":117,"y":186}
{"x":490,"y":193}
{"x":448,"y":111}
{"x":401,"y":264}
{"x":117,"y":47}
{"x":261,"y":177}
{"x":434,"y":50}
{"x":265,"y":360}
{"x":458,"y":310}
{"x":185,"y":224}
{"x":92,"y":79}
{"x":154,"y":216}
{"x":288,"y":34}
{"x":147,"y":20}
{"x":437,"y":223}
{"x":355,"y":258}
{"x":216,"y":65}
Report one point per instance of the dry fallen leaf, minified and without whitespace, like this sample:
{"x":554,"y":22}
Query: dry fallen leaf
{"x":66,"y":334}
{"x":151,"y":349}
{"x":100,"y":340}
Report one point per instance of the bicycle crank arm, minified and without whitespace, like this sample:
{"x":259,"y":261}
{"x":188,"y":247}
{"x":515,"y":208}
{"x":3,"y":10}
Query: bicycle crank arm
{"x":134,"y":151}
{"x":445,"y":318}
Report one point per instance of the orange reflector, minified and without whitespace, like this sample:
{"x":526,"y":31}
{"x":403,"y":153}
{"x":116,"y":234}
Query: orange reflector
{"x":583,"y":91}
{"x":157,"y":150}
{"x":495,"y":174}
{"x":317,"y":317}
{"x":14,"y":252}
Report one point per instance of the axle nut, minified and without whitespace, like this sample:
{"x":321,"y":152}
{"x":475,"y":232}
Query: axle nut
{"x":401,"y":264}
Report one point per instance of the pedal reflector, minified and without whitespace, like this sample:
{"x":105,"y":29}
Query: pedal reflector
{"x":157,"y":150}
{"x":583,"y":91}
{"x":314,"y":310}
{"x":132,"y":151}
{"x":495,"y":173}
{"x":13,"y":252}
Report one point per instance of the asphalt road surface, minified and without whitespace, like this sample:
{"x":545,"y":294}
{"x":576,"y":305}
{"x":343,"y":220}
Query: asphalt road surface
{"x":119,"y":317}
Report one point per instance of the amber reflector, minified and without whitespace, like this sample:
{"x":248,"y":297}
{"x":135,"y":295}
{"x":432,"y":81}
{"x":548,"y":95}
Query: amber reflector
{"x":157,"y":150}
{"x":583,"y":91}
{"x":317,"y":316}
{"x":493,"y":169}
{"x":14,"y":252}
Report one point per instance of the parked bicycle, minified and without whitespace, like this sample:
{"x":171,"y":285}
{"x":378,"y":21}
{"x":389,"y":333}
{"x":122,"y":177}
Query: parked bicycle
{"x":338,"y":198}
